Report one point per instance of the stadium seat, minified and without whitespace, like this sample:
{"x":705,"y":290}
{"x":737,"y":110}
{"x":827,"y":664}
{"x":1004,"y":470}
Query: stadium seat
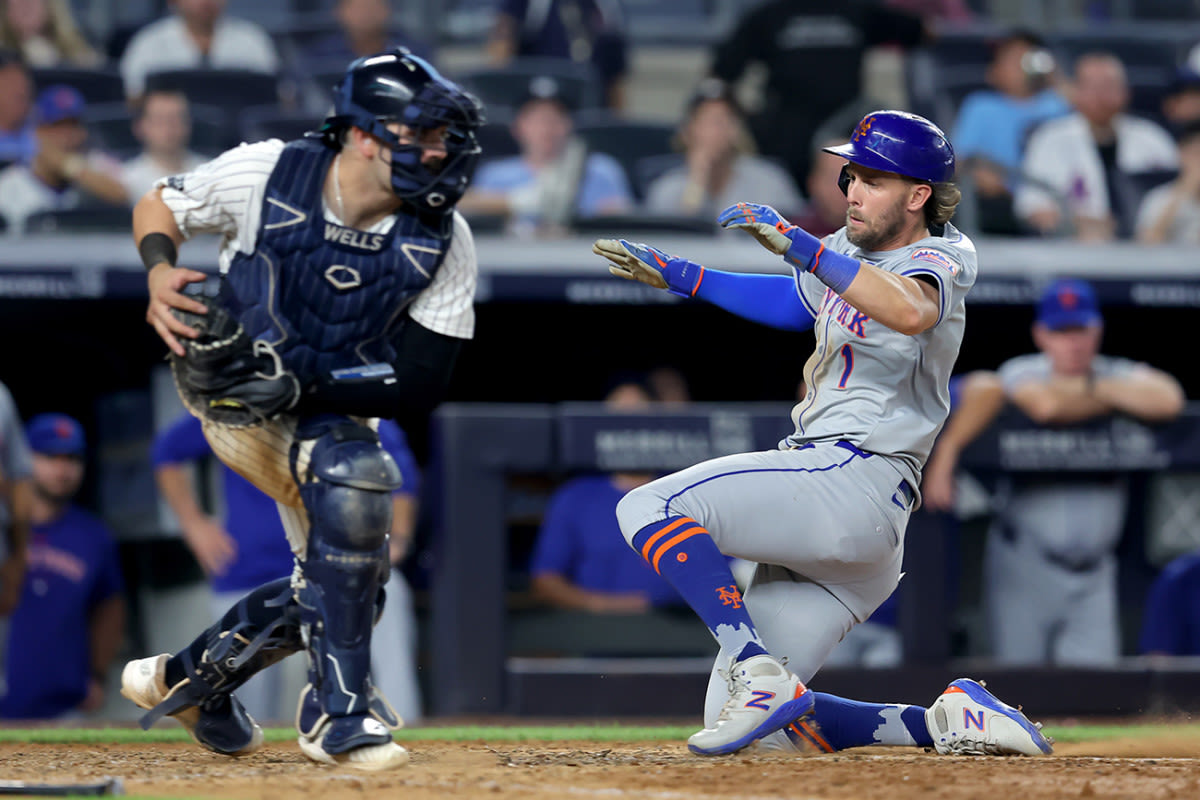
{"x":230,"y":89}
{"x":628,"y":141}
{"x":99,"y":85}
{"x":506,"y":85}
{"x":92,"y":219}
{"x":648,"y":169}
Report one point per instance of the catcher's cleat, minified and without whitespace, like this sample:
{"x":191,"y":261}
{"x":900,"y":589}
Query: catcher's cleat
{"x":763,"y":698}
{"x":969,"y":720}
{"x":219,"y":722}
{"x":359,"y":741}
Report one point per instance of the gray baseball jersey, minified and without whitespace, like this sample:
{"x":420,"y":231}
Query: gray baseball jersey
{"x":1049,"y":567}
{"x":884,"y":391}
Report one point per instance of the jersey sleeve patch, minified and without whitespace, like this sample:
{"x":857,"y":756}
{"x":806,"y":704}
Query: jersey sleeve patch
{"x":933,"y":256}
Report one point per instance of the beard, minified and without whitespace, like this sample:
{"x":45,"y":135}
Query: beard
{"x":871,"y":236}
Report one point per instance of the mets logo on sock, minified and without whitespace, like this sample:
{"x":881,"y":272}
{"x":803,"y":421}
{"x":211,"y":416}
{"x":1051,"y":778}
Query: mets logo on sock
{"x":760,"y":700}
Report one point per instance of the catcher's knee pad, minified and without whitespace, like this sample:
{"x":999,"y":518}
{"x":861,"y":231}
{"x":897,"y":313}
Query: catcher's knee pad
{"x":259,"y":630}
{"x":346,"y":481}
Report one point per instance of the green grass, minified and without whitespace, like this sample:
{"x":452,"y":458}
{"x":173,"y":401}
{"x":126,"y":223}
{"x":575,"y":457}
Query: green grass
{"x":523,"y":733}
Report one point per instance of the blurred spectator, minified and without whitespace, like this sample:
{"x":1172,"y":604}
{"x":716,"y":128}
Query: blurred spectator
{"x":1171,"y":619}
{"x":1181,"y":103}
{"x":199,"y":34}
{"x":668,"y":385}
{"x":1086,"y":163}
{"x":247,"y":547}
{"x":1050,"y":569}
{"x":364,"y":28}
{"x":1171,"y":213}
{"x":589,"y":32}
{"x":992,"y":125}
{"x":163,"y":126}
{"x":951,"y":12}
{"x":71,"y":617}
{"x":17,"y":139}
{"x":719,"y":167}
{"x":580,"y":561}
{"x":812,"y":52}
{"x":554,"y":178}
{"x":45,"y":33}
{"x":826,"y":210}
{"x":64,"y":172}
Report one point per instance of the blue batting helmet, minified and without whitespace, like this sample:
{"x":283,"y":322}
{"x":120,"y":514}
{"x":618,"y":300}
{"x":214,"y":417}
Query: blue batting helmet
{"x":397,"y":86}
{"x":896,"y":141}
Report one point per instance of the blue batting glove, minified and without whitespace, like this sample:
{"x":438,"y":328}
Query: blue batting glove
{"x":797,"y":246}
{"x":640,"y":262}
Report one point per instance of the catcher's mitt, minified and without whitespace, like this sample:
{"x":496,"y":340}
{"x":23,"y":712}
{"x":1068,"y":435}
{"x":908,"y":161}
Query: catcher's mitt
{"x":226,"y":377}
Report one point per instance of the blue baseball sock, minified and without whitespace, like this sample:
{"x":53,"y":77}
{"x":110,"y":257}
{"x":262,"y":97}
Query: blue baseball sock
{"x":837,"y":723}
{"x":681,"y":550}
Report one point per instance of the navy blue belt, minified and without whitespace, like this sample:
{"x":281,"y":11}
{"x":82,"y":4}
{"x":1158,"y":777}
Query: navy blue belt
{"x":906,"y":491}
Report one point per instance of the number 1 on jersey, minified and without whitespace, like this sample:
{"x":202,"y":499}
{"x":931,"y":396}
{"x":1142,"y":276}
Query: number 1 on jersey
{"x":848,"y":357}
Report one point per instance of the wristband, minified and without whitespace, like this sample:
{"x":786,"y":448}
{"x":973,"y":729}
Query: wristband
{"x":157,"y":248}
{"x":807,"y":252}
{"x":683,"y":277}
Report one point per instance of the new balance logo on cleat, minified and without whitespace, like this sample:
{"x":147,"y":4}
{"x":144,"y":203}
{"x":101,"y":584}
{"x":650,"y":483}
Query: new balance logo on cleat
{"x":764,"y":697}
{"x":988,"y":726}
{"x":760,"y":700}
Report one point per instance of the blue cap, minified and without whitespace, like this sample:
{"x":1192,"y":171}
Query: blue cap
{"x":900,"y":142}
{"x":58,"y":102}
{"x":55,"y":435}
{"x":1068,"y":303}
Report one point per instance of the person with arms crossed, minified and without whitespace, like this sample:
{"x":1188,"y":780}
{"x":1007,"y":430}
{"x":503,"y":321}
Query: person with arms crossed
{"x":824,"y":515}
{"x":1050,"y":567}
{"x":347,"y":291}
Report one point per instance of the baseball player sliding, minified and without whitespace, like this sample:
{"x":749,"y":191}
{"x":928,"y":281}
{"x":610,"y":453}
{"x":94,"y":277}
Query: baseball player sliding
{"x":824,"y":515}
{"x":347,"y":290}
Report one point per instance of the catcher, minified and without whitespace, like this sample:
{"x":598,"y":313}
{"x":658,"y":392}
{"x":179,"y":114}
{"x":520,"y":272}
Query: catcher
{"x":347,"y":289}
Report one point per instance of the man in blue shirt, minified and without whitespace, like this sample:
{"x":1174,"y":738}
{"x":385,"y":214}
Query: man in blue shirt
{"x":17,"y":140}
{"x":1171,"y":622}
{"x":989,"y":134}
{"x":554,"y":178}
{"x":247,"y":548}
{"x":71,"y":616}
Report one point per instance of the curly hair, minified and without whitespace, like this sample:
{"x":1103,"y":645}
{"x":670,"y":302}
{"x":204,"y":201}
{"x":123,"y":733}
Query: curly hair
{"x":940,"y":206}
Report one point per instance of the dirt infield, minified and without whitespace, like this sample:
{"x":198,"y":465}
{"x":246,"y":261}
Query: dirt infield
{"x":1165,"y":766}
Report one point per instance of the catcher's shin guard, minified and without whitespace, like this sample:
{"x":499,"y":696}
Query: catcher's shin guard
{"x":259,"y":630}
{"x":346,"y":487}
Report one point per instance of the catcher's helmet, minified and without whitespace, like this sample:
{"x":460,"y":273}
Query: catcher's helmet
{"x":397,"y":86}
{"x":896,"y":141}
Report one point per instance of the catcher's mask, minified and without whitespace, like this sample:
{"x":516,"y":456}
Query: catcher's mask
{"x":397,"y":86}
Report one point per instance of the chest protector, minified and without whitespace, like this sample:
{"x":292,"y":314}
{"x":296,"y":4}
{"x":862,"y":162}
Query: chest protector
{"x":324,"y":295}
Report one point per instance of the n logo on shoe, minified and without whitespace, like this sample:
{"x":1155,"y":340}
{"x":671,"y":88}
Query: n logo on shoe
{"x":760,"y":700}
{"x":970,"y":719}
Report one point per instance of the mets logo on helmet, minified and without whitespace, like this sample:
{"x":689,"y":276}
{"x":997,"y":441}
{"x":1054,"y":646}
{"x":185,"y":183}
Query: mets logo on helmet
{"x":863,"y":128}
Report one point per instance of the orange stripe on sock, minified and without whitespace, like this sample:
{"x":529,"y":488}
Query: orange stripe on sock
{"x":650,"y":542}
{"x":816,"y":737}
{"x":667,"y":545}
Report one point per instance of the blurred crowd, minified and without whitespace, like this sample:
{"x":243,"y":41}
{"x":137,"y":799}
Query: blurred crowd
{"x":1066,"y":137}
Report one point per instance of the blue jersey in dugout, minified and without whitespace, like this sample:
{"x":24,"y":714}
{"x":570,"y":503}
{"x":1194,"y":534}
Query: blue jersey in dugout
{"x":250,"y":517}
{"x":73,"y":567}
{"x":1172,"y":614}
{"x":580,"y":540}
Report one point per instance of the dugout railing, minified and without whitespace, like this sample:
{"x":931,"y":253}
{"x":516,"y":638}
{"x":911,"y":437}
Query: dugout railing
{"x":478,"y":448}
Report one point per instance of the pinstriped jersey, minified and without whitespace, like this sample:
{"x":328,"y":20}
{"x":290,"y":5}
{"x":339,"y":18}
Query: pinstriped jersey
{"x":884,"y":391}
{"x":225,"y":196}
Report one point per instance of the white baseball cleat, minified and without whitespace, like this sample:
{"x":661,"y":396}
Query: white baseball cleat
{"x":220,"y":723}
{"x":763,"y":698}
{"x":360,"y":741}
{"x":969,"y":720}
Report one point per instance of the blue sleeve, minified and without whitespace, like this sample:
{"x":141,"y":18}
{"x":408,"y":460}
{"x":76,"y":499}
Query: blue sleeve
{"x":1161,"y":629}
{"x":392,"y":437}
{"x":183,"y":441}
{"x":553,"y":550}
{"x":604,"y":182}
{"x":768,"y":299}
